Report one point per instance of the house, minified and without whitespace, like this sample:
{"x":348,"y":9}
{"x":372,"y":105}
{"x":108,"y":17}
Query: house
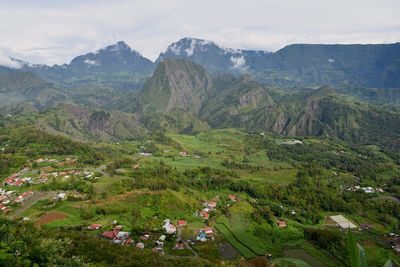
{"x":292,"y":142}
{"x":179,"y":246}
{"x":24,"y":196}
{"x":140,"y":245}
{"x":204,"y":214}
{"x":3,"y":208}
{"x":129,"y":241}
{"x":162,"y":238}
{"x":281,"y":224}
{"x":144,"y":237}
{"x":158,"y":250}
{"x":144,"y":154}
{"x":122,"y":235}
{"x":118,"y":228}
{"x":232,"y":198}
{"x":169,"y":227}
{"x":182,"y":223}
{"x":94,"y":226}
{"x":340,"y":221}
{"x":109,"y":234}
{"x":208,"y":231}
{"x":60,"y":196}
{"x":212,"y":205}
{"x":201,"y":236}
{"x":368,"y":190}
{"x":159,"y":244}
{"x":184,"y":154}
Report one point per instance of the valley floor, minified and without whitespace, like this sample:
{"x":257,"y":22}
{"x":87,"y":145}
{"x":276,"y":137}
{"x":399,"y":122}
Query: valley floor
{"x":219,"y":197}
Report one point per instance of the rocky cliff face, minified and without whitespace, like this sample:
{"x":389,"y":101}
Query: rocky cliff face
{"x":176,"y":84}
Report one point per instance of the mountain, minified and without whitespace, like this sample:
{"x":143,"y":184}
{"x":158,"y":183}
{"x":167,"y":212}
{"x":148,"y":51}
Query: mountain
{"x":26,"y":88}
{"x":208,"y":54}
{"x":176,"y":84}
{"x":120,"y":67}
{"x":187,"y":90}
{"x":91,"y":124}
{"x":298,"y":64}
{"x":116,"y":65}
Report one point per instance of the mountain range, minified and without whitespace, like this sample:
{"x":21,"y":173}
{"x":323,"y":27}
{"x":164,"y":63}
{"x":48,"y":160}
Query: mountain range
{"x":300,"y":90}
{"x":117,"y":65}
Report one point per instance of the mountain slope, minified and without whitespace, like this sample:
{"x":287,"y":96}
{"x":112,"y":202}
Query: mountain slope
{"x":92,"y":124}
{"x":322,"y":112}
{"x":229,"y":101}
{"x":298,"y":64}
{"x":116,"y":65}
{"x":176,"y":84}
{"x":26,"y":88}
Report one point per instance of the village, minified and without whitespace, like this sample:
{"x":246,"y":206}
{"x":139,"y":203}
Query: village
{"x":39,"y":171}
{"x":170,"y":233}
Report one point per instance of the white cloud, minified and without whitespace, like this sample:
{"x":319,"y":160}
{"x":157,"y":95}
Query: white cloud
{"x":6,"y":61}
{"x":91,"y":62}
{"x":56,"y":31}
{"x":238,"y":62}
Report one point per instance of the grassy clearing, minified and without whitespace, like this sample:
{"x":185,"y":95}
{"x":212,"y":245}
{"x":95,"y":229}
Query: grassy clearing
{"x":245,"y":251}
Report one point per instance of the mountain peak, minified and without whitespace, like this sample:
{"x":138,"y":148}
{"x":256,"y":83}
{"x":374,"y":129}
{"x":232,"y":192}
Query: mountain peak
{"x":188,"y":46}
{"x":118,"y":47}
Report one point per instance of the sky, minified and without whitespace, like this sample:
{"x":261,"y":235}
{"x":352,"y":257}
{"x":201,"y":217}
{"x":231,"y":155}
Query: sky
{"x":56,"y":31}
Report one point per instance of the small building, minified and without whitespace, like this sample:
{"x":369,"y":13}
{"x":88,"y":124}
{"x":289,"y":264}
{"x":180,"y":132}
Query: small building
{"x":212,"y":205}
{"x":232,"y":198}
{"x":60,"y":196}
{"x":24,"y":196}
{"x":122,"y":235}
{"x":140,"y":245}
{"x":281,"y":224}
{"x":162,"y":238}
{"x":144,"y":237}
{"x":182,"y":223}
{"x":340,"y":221}
{"x":201,"y":236}
{"x":368,"y":190}
{"x":129,"y":241}
{"x":94,"y":226}
{"x":209,"y":231}
{"x":204,"y":214}
{"x":109,"y":234}
{"x":179,"y":246}
{"x":184,"y":154}
{"x":169,"y":227}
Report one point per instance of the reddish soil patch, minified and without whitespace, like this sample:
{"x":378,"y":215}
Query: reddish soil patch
{"x":49,"y":217}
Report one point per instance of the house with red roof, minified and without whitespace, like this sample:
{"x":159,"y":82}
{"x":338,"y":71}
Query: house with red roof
{"x":109,"y":234}
{"x":204,"y":214}
{"x":209,"y":231}
{"x":182,"y":223}
{"x":281,"y":224}
{"x":24,"y":196}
